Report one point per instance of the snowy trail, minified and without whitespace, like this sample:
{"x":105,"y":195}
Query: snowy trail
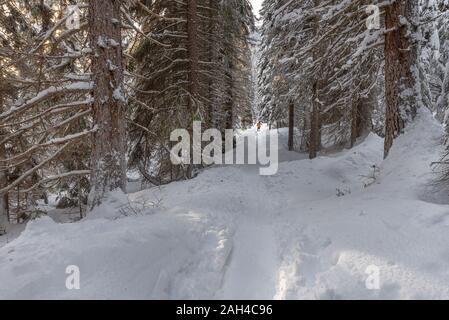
{"x":308,"y":232}
{"x":253,"y":265}
{"x":253,"y":270}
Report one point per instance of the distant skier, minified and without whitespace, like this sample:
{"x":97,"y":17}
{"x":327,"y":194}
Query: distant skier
{"x":259,"y":125}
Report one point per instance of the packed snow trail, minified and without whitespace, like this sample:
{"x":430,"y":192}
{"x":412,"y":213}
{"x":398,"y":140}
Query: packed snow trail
{"x":254,"y":262}
{"x":311,"y":231}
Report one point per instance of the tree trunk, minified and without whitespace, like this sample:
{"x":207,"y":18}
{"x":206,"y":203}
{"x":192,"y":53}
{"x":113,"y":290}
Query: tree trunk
{"x":193,"y":81}
{"x":443,"y":99}
{"x":401,"y":56}
{"x":315,"y":123}
{"x":213,"y":9}
{"x":229,"y":105}
{"x":291,"y":126}
{"x":3,"y":184}
{"x":193,"y":51}
{"x":315,"y":117}
{"x":355,"y":120}
{"x":3,"y":179}
{"x":304,"y":136}
{"x":108,"y":142}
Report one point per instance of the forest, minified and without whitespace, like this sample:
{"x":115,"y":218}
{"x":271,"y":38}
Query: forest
{"x":352,"y":95}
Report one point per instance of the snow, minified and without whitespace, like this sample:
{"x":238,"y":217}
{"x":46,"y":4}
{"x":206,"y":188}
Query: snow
{"x":252,"y":267}
{"x":118,"y":95}
{"x":257,"y":6}
{"x":102,"y":42}
{"x":309,"y":232}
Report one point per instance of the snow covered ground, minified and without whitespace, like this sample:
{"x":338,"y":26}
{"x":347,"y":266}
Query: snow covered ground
{"x":308,"y":232}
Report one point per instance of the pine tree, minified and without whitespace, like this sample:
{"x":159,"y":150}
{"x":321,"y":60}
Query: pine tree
{"x":190,"y":75}
{"x":46,"y":93}
{"x":323,"y":57}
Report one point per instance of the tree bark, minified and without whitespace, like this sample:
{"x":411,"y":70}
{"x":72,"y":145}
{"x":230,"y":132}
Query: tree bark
{"x":193,"y":80}
{"x":305,"y":129}
{"x":193,"y":51}
{"x":213,"y":9}
{"x":291,"y":126}
{"x":3,"y":178}
{"x":229,"y":103}
{"x":401,"y":56}
{"x":355,"y":121}
{"x":315,"y":123}
{"x":108,"y":142}
{"x":3,"y":184}
{"x":315,"y":116}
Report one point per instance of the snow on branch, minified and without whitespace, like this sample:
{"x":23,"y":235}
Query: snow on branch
{"x":45,"y":94}
{"x":32,"y":170}
{"x":58,"y":177}
{"x":54,"y":141}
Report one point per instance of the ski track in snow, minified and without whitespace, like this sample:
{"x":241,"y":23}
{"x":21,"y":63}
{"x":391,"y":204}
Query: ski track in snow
{"x":253,"y":265}
{"x":254,"y":260}
{"x":308,"y":232}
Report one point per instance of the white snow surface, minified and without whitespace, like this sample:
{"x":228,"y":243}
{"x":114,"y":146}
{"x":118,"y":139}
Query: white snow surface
{"x":231,"y":233}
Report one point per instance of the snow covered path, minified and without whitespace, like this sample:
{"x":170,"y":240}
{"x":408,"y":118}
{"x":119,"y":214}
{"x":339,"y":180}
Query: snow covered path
{"x":309,"y":232}
{"x":253,"y":263}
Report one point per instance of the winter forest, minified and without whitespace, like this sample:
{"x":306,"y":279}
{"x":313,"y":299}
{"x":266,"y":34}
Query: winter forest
{"x":100,"y":198}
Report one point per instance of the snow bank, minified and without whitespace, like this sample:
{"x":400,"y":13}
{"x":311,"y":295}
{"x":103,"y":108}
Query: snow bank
{"x":134,"y":257}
